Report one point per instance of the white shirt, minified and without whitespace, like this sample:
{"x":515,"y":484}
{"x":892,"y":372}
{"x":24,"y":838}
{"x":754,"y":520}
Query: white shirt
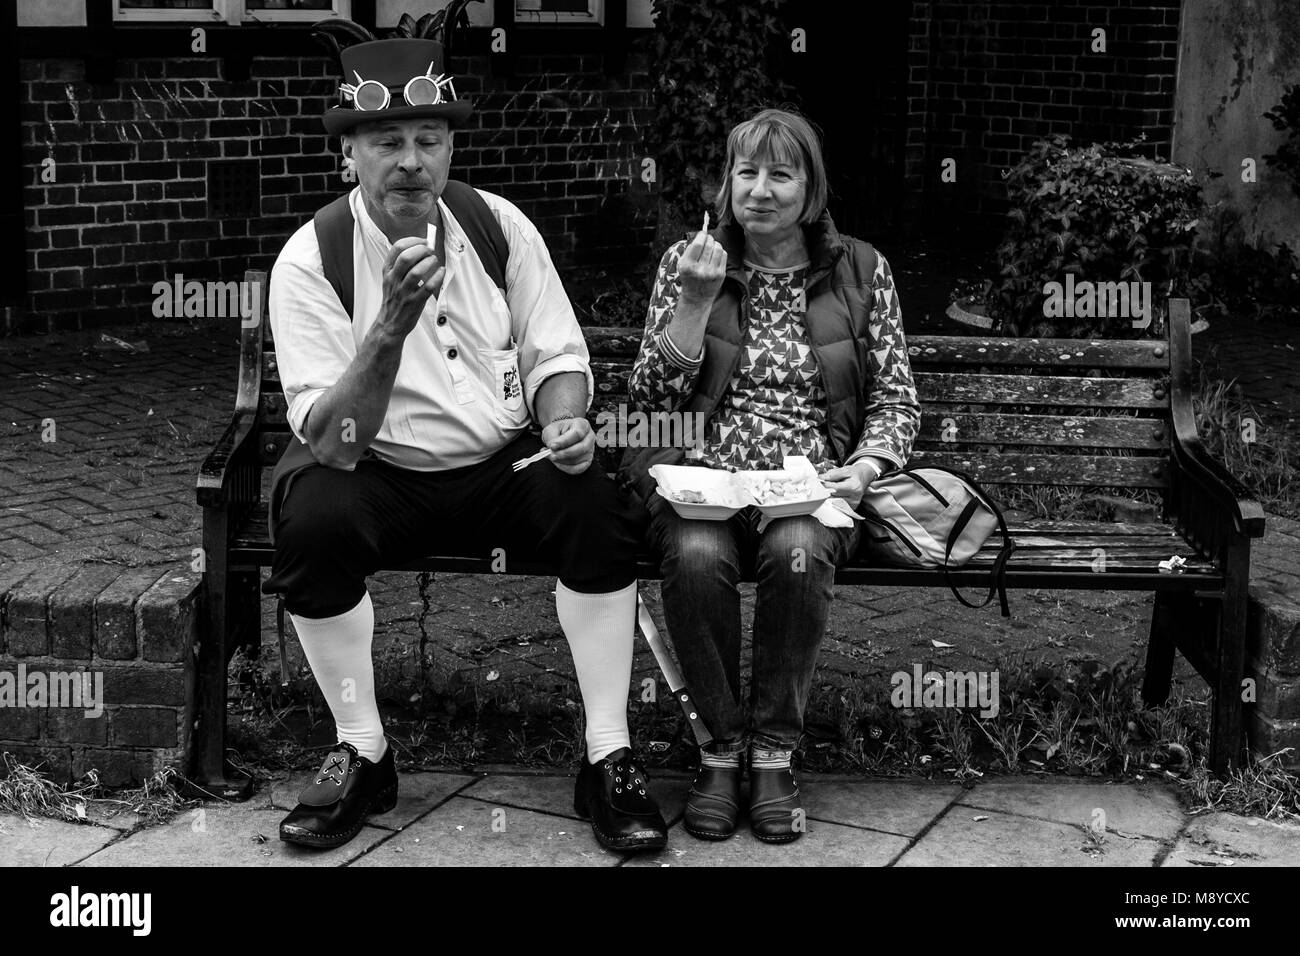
{"x":464,"y":388}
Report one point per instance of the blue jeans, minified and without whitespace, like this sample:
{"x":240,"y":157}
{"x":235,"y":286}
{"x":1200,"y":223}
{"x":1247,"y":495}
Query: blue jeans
{"x":793,"y":562}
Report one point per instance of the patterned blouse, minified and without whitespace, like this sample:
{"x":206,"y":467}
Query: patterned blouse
{"x":775,"y":404}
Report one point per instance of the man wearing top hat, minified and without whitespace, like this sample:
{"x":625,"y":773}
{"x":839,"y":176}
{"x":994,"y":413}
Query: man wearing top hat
{"x":410,"y":412}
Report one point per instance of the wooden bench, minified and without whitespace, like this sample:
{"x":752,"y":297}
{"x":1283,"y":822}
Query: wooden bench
{"x":1109,"y":415}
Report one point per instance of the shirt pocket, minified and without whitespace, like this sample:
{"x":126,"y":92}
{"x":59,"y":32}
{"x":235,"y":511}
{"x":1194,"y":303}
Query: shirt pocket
{"x":502,"y":367}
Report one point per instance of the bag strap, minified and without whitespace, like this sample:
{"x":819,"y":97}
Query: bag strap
{"x":334,"y":225}
{"x":334,"y":236}
{"x":481,"y":228}
{"x":997,"y":576}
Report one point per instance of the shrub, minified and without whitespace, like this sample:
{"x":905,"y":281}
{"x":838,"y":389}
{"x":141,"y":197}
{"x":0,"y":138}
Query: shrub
{"x":1103,"y":216}
{"x":1285,"y":117}
{"x":716,"y":66}
{"x":1242,"y":279}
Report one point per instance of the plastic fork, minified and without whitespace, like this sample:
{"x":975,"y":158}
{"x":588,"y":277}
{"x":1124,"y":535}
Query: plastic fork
{"x":523,"y":463}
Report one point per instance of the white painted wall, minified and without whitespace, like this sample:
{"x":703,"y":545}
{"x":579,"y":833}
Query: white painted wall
{"x":51,"y":13}
{"x":1236,"y":57}
{"x":387,"y":12}
{"x":72,"y":13}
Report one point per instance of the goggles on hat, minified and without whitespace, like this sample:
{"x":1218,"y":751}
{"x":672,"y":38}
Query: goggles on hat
{"x":423,"y":90}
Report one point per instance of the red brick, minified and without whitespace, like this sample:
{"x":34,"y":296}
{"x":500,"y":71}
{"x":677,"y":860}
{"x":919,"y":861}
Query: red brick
{"x":72,"y":611}
{"x":53,"y":762}
{"x":166,"y":616}
{"x":115,"y":620}
{"x":145,"y":726}
{"x":118,"y":768}
{"x":160,"y":685}
{"x":63,"y":726}
{"x":1270,"y":735}
{"x":18,"y":723}
{"x":1273,"y":631}
{"x":27,"y":611}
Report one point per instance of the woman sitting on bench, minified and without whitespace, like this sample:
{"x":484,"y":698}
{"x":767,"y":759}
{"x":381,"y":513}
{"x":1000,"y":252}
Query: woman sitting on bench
{"x":787,"y":336}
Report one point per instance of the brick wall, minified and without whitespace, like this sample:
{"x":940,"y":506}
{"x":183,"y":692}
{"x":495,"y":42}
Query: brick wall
{"x":988,"y":77}
{"x":130,"y":203}
{"x":134,"y":630}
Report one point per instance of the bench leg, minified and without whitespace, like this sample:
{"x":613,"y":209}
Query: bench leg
{"x":1226,"y":724}
{"x":210,"y":775}
{"x":1160,"y":649}
{"x":246,"y":609}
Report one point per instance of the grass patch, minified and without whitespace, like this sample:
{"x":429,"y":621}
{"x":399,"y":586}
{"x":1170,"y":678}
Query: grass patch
{"x":1259,"y":452}
{"x":1262,"y":788}
{"x":1085,"y":720}
{"x":30,"y":793}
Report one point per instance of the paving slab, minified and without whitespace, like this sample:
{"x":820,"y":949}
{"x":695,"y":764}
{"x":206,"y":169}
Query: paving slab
{"x":48,"y":842}
{"x":110,"y":815}
{"x":226,"y":835}
{"x":1223,"y":839}
{"x":554,"y":795}
{"x":1003,"y":839}
{"x":464,"y":832}
{"x":825,"y":844}
{"x":901,"y":807}
{"x":1149,"y":810}
{"x":417,"y":794}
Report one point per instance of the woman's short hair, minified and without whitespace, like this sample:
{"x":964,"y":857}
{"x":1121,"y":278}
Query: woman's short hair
{"x":781,"y":136}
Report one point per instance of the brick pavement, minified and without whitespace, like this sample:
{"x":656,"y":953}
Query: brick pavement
{"x":1264,"y":357}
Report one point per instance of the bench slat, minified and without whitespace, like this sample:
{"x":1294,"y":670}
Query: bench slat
{"x":1066,"y":531}
{"x":963,"y":428}
{"x":1089,"y":528}
{"x":1048,"y":353}
{"x":622,"y":344}
{"x":1107,"y":471}
{"x":1127,"y":543}
{"x":1083,"y":561}
{"x":982,"y":389}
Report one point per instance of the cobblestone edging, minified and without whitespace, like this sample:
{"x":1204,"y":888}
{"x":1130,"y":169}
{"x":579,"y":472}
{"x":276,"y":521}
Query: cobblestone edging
{"x":131,"y":632}
{"x":1273,"y":641}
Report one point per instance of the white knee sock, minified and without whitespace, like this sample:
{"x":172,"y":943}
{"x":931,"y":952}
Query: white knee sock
{"x":338,"y":650}
{"x":600,"y":629}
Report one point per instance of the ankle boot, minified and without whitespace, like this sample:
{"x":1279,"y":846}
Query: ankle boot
{"x":776,"y":812}
{"x":713,"y":805}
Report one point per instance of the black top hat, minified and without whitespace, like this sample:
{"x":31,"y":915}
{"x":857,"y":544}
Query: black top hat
{"x":394,"y":64}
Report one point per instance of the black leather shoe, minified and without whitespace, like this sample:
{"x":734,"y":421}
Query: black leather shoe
{"x":333,"y":807}
{"x":713,"y":805}
{"x":775,"y":809}
{"x":613,"y":795}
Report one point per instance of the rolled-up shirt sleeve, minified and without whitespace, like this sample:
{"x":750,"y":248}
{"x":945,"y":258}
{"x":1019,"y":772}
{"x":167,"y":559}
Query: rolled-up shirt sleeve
{"x":313,"y":335}
{"x":893,"y":413}
{"x":549,"y":338}
{"x":663,"y":375}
